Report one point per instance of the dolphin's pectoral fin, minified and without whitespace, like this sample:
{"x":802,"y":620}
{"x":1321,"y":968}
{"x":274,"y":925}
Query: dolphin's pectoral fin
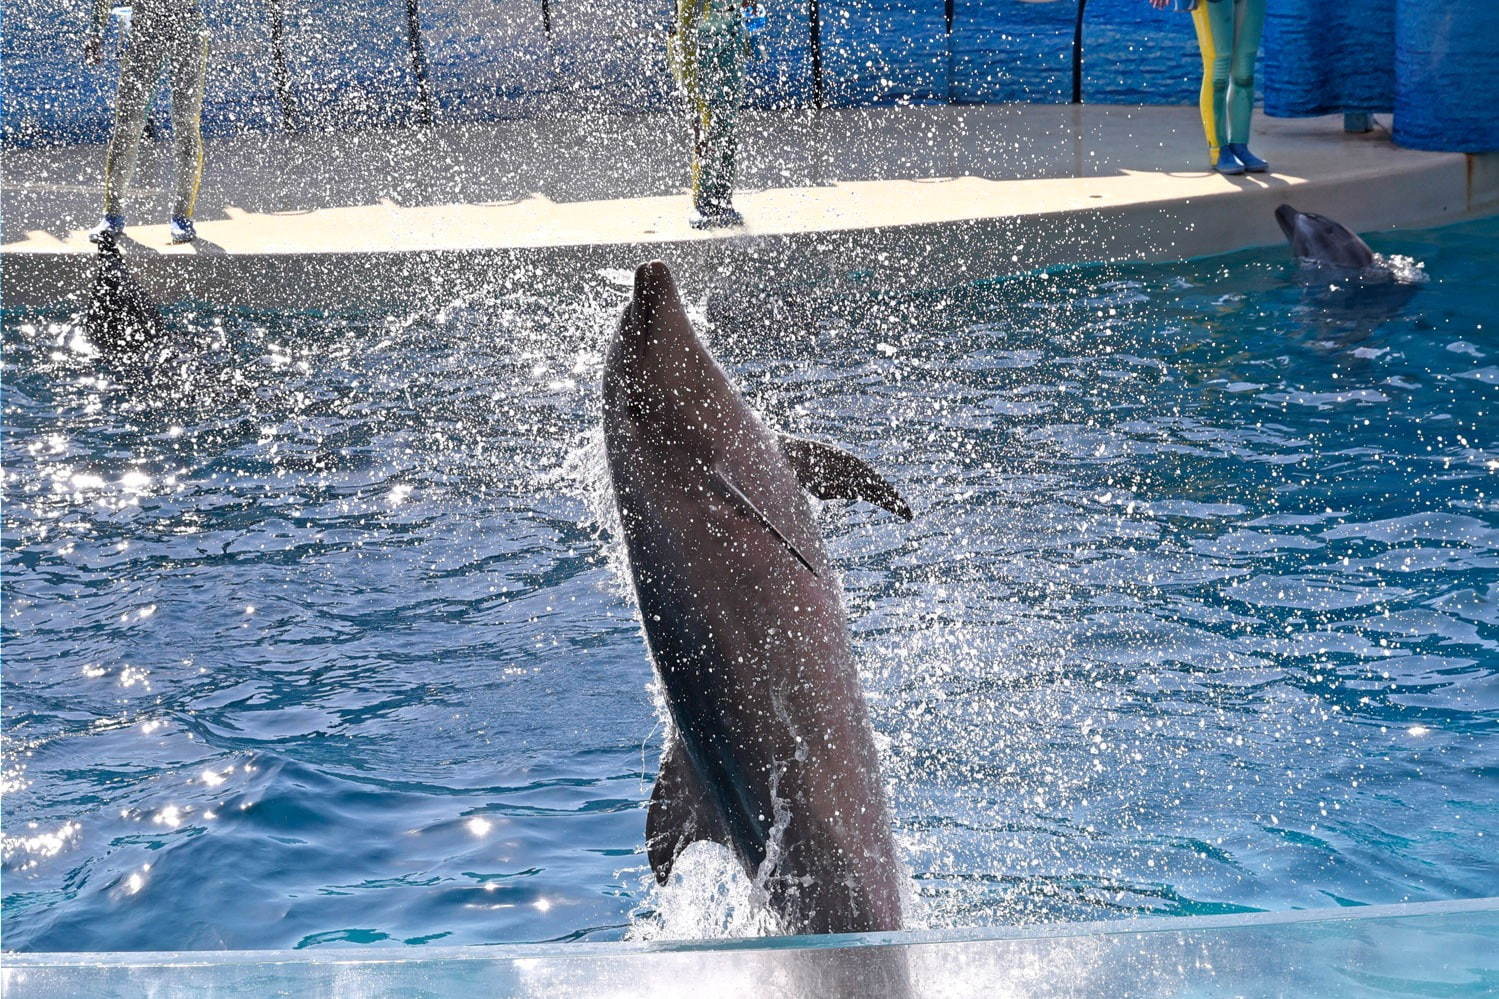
{"x":747,"y":505}
{"x":680,"y":814}
{"x":828,"y":472}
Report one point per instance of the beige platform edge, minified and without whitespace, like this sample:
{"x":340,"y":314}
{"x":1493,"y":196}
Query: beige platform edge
{"x":926,"y":195}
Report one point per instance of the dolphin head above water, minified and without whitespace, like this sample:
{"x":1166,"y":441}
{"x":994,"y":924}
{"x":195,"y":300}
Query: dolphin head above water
{"x":1318,"y":239}
{"x":670,"y":408}
{"x":668,"y":384}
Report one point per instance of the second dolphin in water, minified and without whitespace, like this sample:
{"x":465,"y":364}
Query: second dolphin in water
{"x":121,"y":319}
{"x":1317,"y":239}
{"x":772,"y":754}
{"x":1349,"y":290}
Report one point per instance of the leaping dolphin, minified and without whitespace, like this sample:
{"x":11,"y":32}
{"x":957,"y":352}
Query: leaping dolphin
{"x":772,"y":753}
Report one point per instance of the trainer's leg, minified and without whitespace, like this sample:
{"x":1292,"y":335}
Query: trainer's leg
{"x":1249,"y":24}
{"x":189,"y":65}
{"x":719,"y":82}
{"x":138,"y":68}
{"x":1213,"y":21}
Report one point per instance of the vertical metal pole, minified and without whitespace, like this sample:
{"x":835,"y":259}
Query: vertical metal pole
{"x":280,"y":73}
{"x":948,"y":13}
{"x":814,"y":24}
{"x":418,"y":63}
{"x":546,"y":17}
{"x":1077,"y":53}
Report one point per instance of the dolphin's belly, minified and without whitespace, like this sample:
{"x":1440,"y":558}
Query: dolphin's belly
{"x":773,"y":754}
{"x":734,"y":623}
{"x":753,"y":654}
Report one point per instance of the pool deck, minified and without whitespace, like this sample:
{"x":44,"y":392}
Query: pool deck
{"x":928,"y":194}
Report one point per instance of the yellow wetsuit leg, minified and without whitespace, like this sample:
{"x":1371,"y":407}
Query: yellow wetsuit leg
{"x":188,"y":69}
{"x":1214,"y":23}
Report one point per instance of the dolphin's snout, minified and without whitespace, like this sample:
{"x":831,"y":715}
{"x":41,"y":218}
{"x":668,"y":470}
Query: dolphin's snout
{"x":654,"y":287}
{"x":655,"y":297}
{"x":650,"y":275}
{"x":1286,"y":216}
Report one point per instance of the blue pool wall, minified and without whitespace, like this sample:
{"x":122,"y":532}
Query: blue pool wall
{"x":1433,"y":63}
{"x":346,"y":63}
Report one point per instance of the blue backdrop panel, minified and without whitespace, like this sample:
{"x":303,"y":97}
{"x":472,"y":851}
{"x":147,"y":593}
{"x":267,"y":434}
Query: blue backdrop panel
{"x":1322,"y":57}
{"x":347,"y":62}
{"x":50,"y":96}
{"x":239,"y":88}
{"x":350,"y":63}
{"x":883,"y":51}
{"x":486,"y":59}
{"x":1004,"y":50}
{"x":1136,"y":54}
{"x":1447,"y":75}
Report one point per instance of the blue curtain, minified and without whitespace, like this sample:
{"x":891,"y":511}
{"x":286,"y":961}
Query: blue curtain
{"x":1447,"y":75}
{"x":1434,"y":63}
{"x":1322,"y":57}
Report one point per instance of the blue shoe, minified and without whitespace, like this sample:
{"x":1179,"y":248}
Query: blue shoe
{"x":181,"y":230}
{"x":1251,"y":162}
{"x":108,"y":229}
{"x":715,"y":217}
{"x":1228,"y":163}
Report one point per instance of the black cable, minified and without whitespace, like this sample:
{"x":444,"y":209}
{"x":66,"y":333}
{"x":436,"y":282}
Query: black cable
{"x":280,"y":72}
{"x":814,"y":19}
{"x":1077,"y":54}
{"x":419,"y":64}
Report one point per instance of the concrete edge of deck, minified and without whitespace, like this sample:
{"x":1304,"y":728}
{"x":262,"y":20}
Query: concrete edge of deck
{"x":902,"y":232}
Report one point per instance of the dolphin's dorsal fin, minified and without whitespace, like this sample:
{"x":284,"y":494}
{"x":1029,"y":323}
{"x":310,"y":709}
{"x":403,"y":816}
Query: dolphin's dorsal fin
{"x":828,"y":472}
{"x":721,"y":476}
{"x":680,"y":812}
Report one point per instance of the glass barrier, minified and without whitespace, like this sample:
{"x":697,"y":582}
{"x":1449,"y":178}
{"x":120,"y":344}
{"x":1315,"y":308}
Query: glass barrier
{"x":1449,"y":949}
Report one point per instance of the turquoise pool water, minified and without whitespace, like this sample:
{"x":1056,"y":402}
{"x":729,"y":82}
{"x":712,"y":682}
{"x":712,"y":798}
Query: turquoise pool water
{"x":315,"y":634}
